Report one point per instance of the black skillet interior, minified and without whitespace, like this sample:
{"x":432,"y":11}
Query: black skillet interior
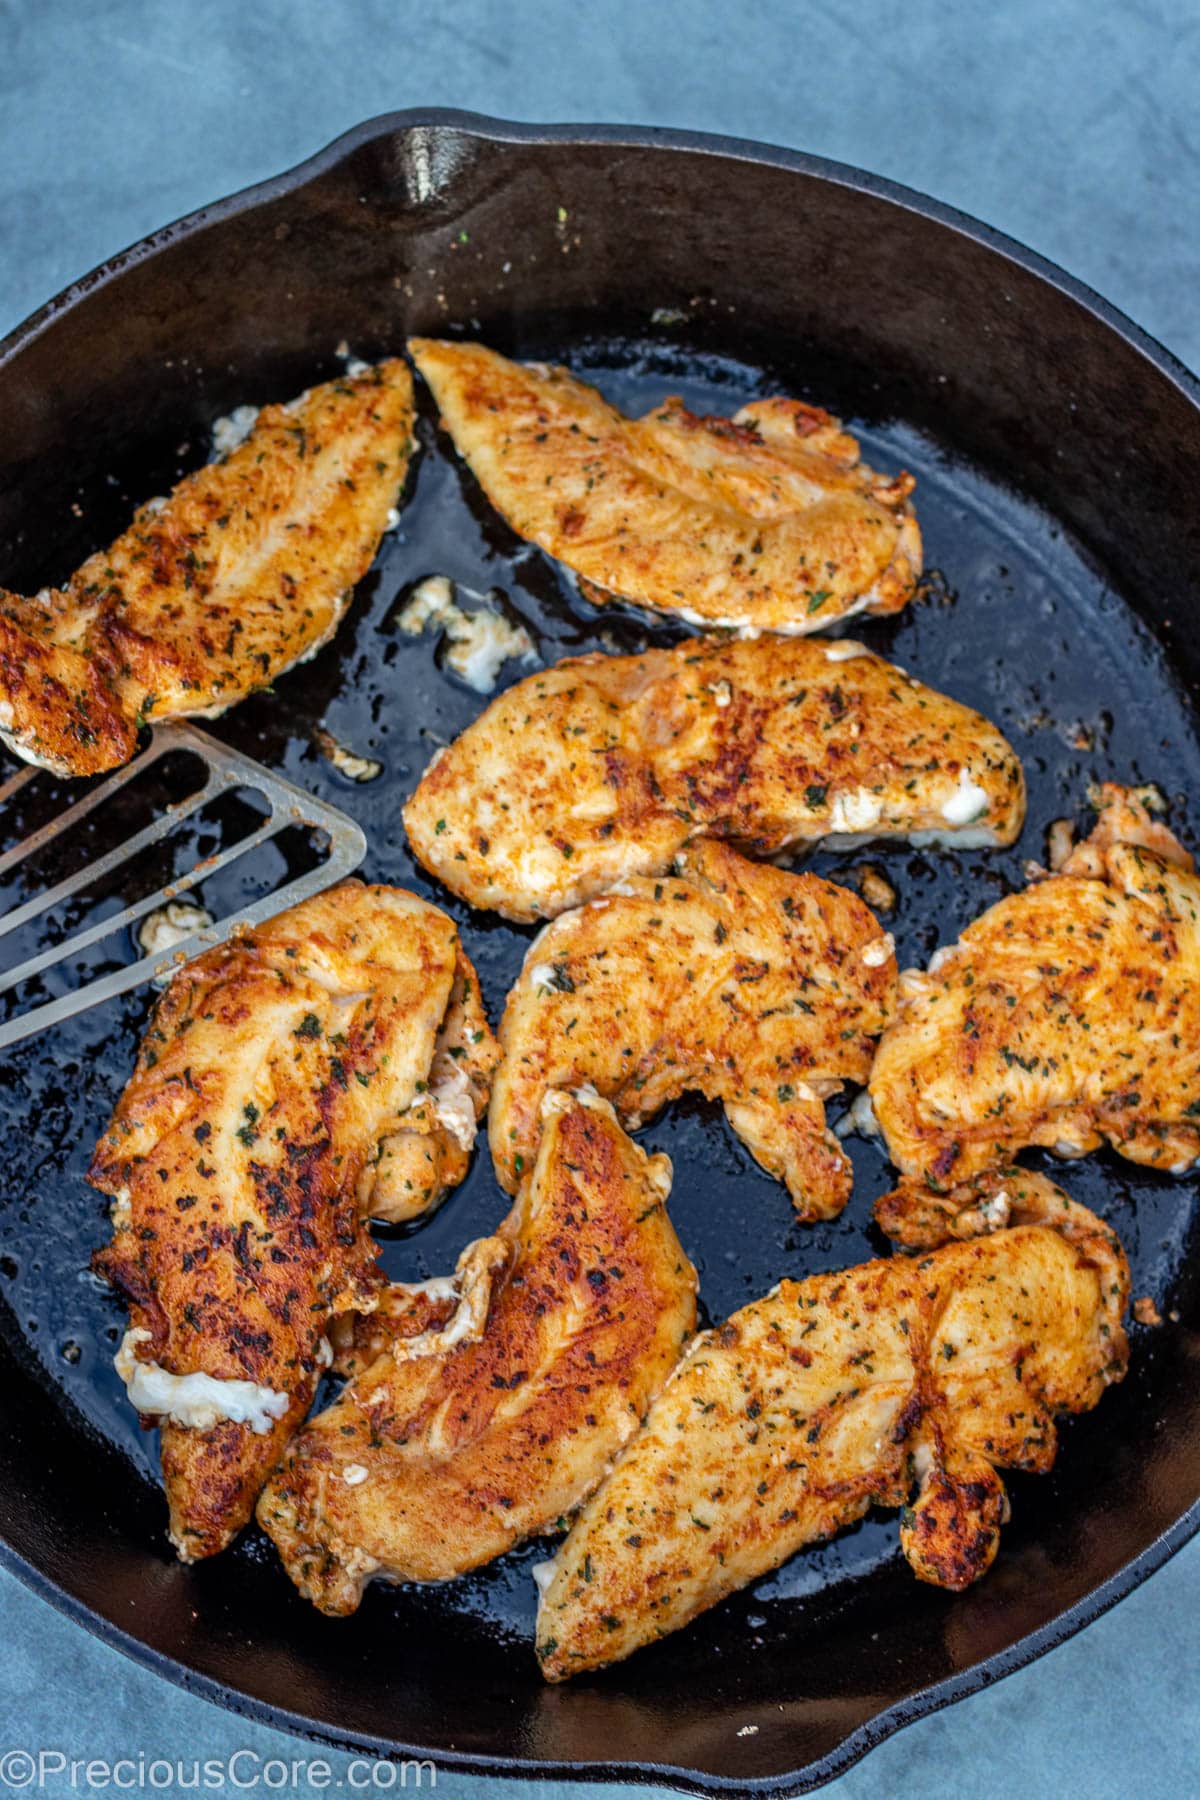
{"x":1056,"y":456}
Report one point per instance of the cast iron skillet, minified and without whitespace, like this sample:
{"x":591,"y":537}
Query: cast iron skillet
{"x":1058,"y":456}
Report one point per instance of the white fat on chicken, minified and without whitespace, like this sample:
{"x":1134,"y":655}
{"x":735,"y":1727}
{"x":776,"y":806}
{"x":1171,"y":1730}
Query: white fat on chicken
{"x":853,"y":818}
{"x":858,"y":1119}
{"x":797,"y":627}
{"x":12,"y":741}
{"x":543,"y":1574}
{"x":197,"y":1402}
{"x":846,"y":650}
{"x":856,"y":812}
{"x":991,"y":1214}
{"x":434,"y":1287}
{"x":353,"y":365}
{"x":967,"y":803}
{"x":479,"y":1268}
{"x":232,"y":429}
{"x":454,"y":1107}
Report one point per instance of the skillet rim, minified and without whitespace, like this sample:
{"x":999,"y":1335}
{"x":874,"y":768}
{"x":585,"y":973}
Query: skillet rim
{"x":924,"y":1701}
{"x":642,"y":137}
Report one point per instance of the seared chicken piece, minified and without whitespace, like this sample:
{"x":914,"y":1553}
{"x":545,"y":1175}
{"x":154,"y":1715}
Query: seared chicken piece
{"x":429,"y":1150}
{"x":847,"y":1390}
{"x":767,"y":521}
{"x":605,"y":766}
{"x":1066,"y":1016}
{"x":58,"y":708}
{"x":283,"y":1086}
{"x":757,"y":988}
{"x":243,"y":571}
{"x":450,"y":1446}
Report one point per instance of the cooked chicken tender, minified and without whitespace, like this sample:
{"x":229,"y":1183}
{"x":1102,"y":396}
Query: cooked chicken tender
{"x":767,"y":521}
{"x":282,"y":1088}
{"x":429,"y":1150}
{"x":603,"y":767}
{"x":57,"y":707}
{"x":1066,"y":1016}
{"x":243,"y":571}
{"x":451,"y":1445}
{"x":847,"y":1390}
{"x":757,"y":988}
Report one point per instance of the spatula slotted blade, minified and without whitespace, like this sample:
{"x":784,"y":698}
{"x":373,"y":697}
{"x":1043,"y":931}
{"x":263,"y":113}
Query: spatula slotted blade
{"x":226,"y":770}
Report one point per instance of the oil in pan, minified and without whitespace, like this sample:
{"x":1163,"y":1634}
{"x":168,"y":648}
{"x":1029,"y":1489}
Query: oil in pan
{"x":1013,"y":620}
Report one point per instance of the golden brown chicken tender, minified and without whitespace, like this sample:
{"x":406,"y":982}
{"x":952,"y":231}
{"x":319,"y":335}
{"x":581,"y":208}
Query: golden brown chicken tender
{"x":1066,"y":1015}
{"x":464,"y":1431}
{"x":785,"y":1424}
{"x":277,"y":1073}
{"x":57,"y":708}
{"x":603,"y":767}
{"x":767,"y":521}
{"x":760,"y":989}
{"x":244,"y":570}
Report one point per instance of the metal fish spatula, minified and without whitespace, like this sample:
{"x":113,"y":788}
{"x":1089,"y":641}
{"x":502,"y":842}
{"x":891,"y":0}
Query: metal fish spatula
{"x":341,"y":847}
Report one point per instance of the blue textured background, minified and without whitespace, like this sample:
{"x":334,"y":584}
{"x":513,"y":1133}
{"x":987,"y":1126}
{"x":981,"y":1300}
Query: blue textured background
{"x":1073,"y":126}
